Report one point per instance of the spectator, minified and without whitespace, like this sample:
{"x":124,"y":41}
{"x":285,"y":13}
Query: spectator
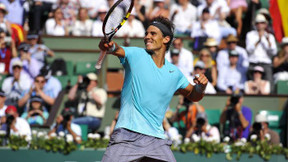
{"x":91,"y":101}
{"x":210,"y":65}
{"x":185,"y":59}
{"x":204,"y":130}
{"x":15,"y":10}
{"x":261,"y":129}
{"x":199,"y":68}
{"x":38,"y":51}
{"x":92,"y":6}
{"x":52,"y":84}
{"x":37,"y":114}
{"x":212,"y":46}
{"x":232,"y":77}
{"x":239,"y":117}
{"x":15,"y":85}
{"x":3,"y":106}
{"x":64,"y":124}
{"x":158,"y":9}
{"x":187,"y":116}
{"x":219,"y":11}
{"x":237,"y":8}
{"x":257,"y":85}
{"x":97,"y":25}
{"x":39,"y":15}
{"x":4,"y":24}
{"x":261,"y":47}
{"x":30,"y":65}
{"x":69,"y":10}
{"x":223,"y":55}
{"x":13,"y":124}
{"x":280,"y":62}
{"x":204,"y":28}
{"x":132,"y":28}
{"x":183,"y":16}
{"x":83,"y":26}
{"x":37,"y":89}
{"x":56,"y":26}
{"x":141,"y":9}
{"x":7,"y":52}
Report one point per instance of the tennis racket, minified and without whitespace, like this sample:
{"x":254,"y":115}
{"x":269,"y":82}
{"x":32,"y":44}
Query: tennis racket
{"x":114,"y":20}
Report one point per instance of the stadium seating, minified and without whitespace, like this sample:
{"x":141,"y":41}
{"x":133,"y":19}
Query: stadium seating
{"x":213,"y":116}
{"x":85,"y":67}
{"x":282,"y":87}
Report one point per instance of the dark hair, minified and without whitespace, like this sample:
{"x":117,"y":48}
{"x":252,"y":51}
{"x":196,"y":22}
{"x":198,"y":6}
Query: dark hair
{"x":169,"y":24}
{"x":40,"y":75}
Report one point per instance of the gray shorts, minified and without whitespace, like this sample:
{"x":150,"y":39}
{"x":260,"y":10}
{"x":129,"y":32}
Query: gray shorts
{"x":126,"y":145}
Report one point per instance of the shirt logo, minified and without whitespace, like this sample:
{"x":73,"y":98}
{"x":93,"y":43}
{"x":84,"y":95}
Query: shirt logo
{"x":171,"y":71}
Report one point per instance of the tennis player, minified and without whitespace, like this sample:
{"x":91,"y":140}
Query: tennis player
{"x":149,"y":85}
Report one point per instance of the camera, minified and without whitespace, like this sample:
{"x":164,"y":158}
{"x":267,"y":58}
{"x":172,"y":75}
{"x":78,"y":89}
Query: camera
{"x":257,"y":127}
{"x":9,"y":119}
{"x":84,"y":84}
{"x":199,"y":124}
{"x":66,"y":117}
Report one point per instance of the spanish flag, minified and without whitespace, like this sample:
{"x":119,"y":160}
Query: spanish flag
{"x":279,"y":15}
{"x":17,"y":33}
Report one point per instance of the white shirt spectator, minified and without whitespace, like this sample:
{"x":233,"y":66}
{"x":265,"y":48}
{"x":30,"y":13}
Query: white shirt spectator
{"x":82,"y":29}
{"x":231,"y":77}
{"x":14,"y":89}
{"x":54,"y":29}
{"x":261,"y":53}
{"x":222,"y":58}
{"x":93,"y":6}
{"x":22,"y":126}
{"x":184,"y":19}
{"x":97,"y":29}
{"x":213,"y":8}
{"x":213,"y":134}
{"x":211,"y":30}
{"x":32,"y":69}
{"x":133,"y":29}
{"x":185,"y":63}
{"x":39,"y":55}
{"x":53,"y":85}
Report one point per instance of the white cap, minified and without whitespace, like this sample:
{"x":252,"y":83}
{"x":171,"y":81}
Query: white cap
{"x":199,"y":64}
{"x":103,"y":8}
{"x":17,"y":63}
{"x":261,"y":118}
{"x":258,"y":68}
{"x":284,"y":41}
{"x":158,"y":0}
{"x":92,"y":76}
{"x":260,"y":18}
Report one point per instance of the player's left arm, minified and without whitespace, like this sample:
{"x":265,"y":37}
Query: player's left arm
{"x":195,"y":93}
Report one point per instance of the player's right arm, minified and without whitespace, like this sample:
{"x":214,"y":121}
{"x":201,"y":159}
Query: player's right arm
{"x":111,"y":48}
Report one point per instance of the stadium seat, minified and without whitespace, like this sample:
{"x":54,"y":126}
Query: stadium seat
{"x":282,"y":87}
{"x":273,"y":118}
{"x":213,"y":116}
{"x":70,"y":68}
{"x":63,"y":80}
{"x":85,"y":67}
{"x":84,"y":130}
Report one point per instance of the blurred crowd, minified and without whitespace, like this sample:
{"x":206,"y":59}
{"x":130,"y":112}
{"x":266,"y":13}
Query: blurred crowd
{"x":234,"y":57}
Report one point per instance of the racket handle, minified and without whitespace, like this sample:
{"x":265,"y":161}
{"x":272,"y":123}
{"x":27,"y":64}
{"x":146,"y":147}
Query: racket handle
{"x":100,"y":60}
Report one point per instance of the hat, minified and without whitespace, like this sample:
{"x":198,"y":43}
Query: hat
{"x":2,"y":93}
{"x":92,"y":76}
{"x":10,"y":108}
{"x":210,"y":42}
{"x":36,"y":99}
{"x":17,"y":63}
{"x":260,"y":18}
{"x":103,"y":9}
{"x":199,"y":64}
{"x":3,"y":8}
{"x":205,"y":10}
{"x":24,"y":47}
{"x":233,"y":53}
{"x":32,"y":36}
{"x":231,"y":38}
{"x":284,"y":41}
{"x":263,"y":11}
{"x":158,"y":0}
{"x":258,"y":68}
{"x":175,"y":51}
{"x":261,"y":118}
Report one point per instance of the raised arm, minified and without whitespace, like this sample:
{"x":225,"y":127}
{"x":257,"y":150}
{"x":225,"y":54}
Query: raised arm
{"x":111,"y":48}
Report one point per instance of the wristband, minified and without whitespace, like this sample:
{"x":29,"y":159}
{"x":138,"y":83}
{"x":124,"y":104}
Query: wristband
{"x":113,"y":48}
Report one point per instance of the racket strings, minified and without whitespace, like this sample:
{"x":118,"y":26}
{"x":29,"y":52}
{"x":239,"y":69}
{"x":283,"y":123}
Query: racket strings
{"x":116,"y":16}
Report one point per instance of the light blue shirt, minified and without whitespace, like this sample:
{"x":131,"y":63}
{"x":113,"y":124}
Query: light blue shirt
{"x":147,"y":91}
{"x":15,"y":11}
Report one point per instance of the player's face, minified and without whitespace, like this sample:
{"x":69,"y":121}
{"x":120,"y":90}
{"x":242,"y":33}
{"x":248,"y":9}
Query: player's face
{"x":153,"y":38}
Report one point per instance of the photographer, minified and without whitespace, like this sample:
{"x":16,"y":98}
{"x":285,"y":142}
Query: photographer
{"x":261,"y":129}
{"x":238,"y":116}
{"x":204,"y":130}
{"x":91,"y":101}
{"x":13,"y":124}
{"x":64,"y":124}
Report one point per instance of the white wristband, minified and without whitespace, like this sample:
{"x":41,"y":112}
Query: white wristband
{"x":113,"y":48}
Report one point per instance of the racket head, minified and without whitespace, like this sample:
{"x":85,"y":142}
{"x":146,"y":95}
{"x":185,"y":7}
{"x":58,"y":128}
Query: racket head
{"x":116,"y":17}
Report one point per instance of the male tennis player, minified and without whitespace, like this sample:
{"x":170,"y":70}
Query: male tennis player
{"x":150,"y":83}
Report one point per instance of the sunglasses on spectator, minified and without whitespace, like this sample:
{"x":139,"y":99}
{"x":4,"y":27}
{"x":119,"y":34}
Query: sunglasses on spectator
{"x":231,"y":42}
{"x":40,"y":81}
